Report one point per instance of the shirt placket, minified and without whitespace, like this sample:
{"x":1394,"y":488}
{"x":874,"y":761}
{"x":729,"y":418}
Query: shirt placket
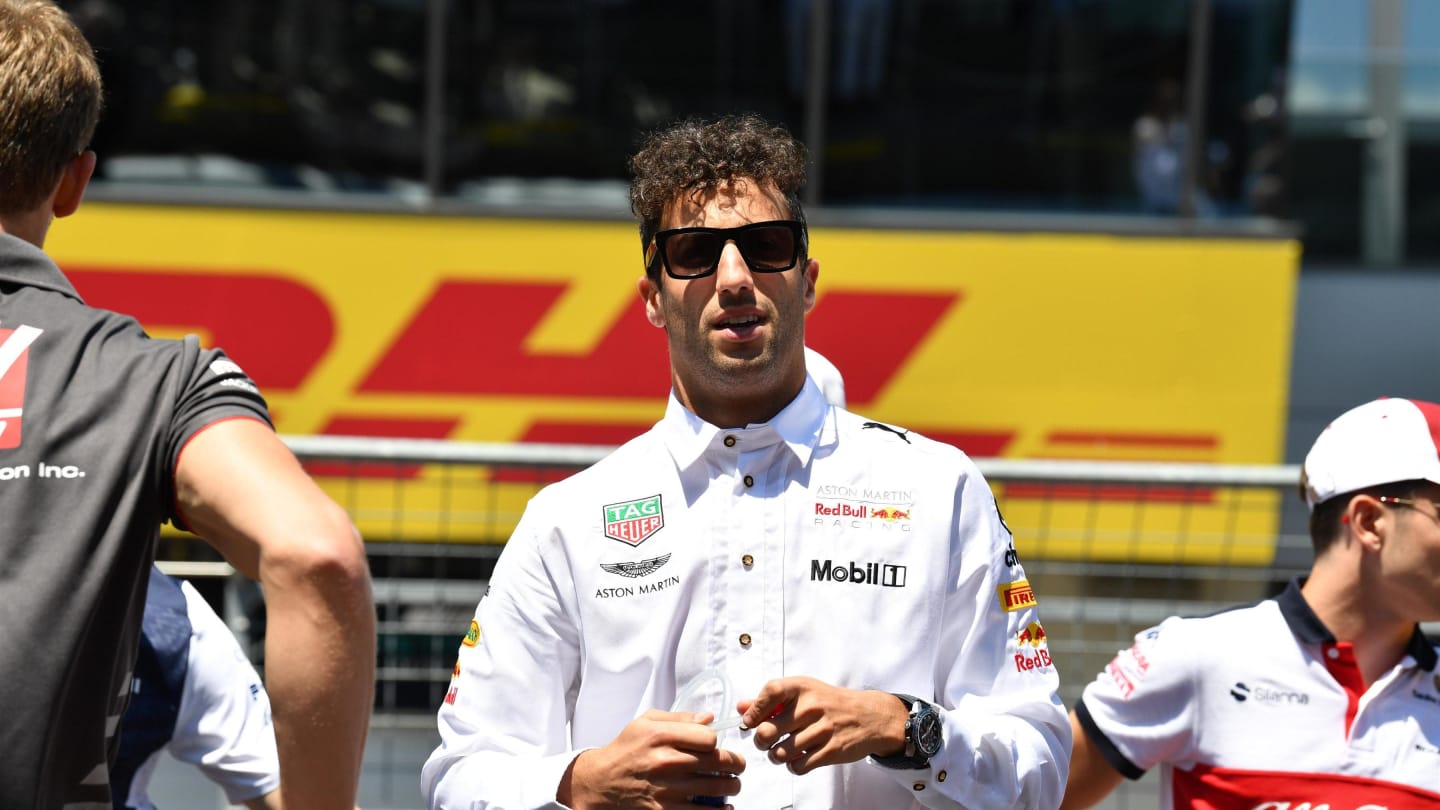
{"x":747,"y":563}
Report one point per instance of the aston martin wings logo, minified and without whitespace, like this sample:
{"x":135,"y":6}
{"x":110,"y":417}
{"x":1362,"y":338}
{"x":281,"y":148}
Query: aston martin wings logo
{"x":635,"y":570}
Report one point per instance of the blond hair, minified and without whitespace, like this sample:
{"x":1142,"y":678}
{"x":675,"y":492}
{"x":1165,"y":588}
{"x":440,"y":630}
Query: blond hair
{"x":50,"y":97}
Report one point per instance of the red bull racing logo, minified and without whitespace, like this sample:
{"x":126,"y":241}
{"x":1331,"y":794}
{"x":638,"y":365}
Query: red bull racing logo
{"x":861,"y":514}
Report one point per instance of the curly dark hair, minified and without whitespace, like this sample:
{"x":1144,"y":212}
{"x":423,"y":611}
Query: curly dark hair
{"x":698,"y":154}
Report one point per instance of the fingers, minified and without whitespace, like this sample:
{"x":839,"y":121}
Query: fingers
{"x":805,"y":749}
{"x":772,"y":700}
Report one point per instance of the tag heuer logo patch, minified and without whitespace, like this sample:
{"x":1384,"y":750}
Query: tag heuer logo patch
{"x":633,"y":521}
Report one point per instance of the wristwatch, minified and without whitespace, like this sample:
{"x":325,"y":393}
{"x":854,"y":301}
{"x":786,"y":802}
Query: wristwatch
{"x":923,"y":736}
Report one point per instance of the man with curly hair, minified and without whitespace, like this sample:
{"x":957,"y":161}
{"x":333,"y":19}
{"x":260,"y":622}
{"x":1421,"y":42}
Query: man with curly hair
{"x":762,"y":573}
{"x":105,"y":434}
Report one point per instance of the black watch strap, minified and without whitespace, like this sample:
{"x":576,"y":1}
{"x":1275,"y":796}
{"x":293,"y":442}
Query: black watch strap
{"x":912,"y":758}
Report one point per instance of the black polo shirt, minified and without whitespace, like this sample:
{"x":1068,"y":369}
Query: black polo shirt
{"x":93,"y":415}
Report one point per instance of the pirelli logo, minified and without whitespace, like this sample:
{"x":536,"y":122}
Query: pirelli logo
{"x":1016,"y":595}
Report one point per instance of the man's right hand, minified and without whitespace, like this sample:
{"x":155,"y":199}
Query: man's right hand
{"x":660,"y":760}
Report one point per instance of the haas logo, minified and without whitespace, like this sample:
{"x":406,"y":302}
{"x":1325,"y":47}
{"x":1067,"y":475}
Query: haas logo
{"x":14,"y":359}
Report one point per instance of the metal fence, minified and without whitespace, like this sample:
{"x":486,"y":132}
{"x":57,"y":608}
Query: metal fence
{"x":1111,"y":548}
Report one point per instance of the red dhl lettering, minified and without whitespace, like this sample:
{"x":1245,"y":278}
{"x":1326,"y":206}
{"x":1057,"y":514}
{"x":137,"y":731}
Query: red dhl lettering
{"x":430,"y":355}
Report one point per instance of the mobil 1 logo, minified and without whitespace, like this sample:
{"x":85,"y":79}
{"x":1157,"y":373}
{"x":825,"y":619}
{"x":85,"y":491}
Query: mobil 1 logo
{"x":870,"y":573}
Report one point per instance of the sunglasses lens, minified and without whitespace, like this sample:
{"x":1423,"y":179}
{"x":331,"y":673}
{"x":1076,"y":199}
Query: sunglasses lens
{"x":692,"y":254}
{"x":771,"y":247}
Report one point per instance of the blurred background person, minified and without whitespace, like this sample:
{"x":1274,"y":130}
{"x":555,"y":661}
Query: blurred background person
{"x":196,"y":696}
{"x":1324,"y":696}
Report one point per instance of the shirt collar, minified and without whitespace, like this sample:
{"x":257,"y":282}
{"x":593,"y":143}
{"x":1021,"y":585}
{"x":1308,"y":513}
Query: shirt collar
{"x":806,"y":423}
{"x":25,"y":264}
{"x":1308,"y":628}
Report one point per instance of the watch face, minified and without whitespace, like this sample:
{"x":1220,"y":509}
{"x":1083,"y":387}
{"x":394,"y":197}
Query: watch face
{"x":927,"y":733}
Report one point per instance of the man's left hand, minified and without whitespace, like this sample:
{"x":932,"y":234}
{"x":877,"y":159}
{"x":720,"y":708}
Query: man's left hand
{"x":806,"y":723}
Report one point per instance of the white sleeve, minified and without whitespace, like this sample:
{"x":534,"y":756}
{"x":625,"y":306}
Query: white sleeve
{"x":503,"y":725}
{"x":224,"y":724}
{"x":1139,"y":711}
{"x":1006,"y":732}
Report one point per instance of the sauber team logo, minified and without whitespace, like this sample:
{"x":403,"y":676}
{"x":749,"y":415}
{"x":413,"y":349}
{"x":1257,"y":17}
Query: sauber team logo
{"x":14,"y":357}
{"x":472,"y":636}
{"x":633,"y":521}
{"x":1016,"y":595}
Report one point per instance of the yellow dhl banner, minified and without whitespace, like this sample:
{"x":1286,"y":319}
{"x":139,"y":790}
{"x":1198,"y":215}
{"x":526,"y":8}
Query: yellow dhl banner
{"x":508,"y":330}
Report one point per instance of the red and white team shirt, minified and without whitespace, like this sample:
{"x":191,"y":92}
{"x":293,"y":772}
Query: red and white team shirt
{"x":1259,"y":708}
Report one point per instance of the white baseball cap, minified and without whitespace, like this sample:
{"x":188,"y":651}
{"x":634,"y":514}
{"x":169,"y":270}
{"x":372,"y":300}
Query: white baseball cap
{"x":1380,"y":442}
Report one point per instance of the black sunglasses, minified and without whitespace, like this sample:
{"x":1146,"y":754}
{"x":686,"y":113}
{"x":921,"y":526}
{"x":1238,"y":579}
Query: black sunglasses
{"x":766,"y":247}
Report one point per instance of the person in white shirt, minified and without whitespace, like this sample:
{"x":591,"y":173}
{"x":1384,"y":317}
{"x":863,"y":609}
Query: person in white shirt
{"x":833,"y":607}
{"x":1326,"y":696}
{"x":826,"y":376}
{"x":195,"y":695}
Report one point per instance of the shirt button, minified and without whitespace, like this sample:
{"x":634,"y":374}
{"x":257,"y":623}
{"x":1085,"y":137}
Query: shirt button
{"x":1333,"y":653}
{"x":729,"y":441}
{"x":749,"y":480}
{"x":918,"y":786}
{"x":747,"y":561}
{"x":744,"y":639}
{"x":941,"y":776}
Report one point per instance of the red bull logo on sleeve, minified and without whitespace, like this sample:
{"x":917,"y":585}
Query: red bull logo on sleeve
{"x":1034,"y":652}
{"x":1033,"y":635}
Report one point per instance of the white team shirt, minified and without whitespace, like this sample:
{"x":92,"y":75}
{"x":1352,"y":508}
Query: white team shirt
{"x":1259,"y":708}
{"x":825,"y":375}
{"x":817,"y":544}
{"x":224,"y":726}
